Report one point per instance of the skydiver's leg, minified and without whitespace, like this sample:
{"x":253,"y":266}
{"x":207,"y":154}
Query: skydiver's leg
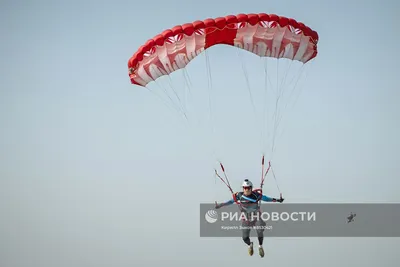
{"x":246,"y":238}
{"x":260,"y":235}
{"x":260,"y":231}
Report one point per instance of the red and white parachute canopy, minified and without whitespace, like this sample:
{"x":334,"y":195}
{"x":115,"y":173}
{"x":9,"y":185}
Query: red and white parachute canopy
{"x":266,"y":35}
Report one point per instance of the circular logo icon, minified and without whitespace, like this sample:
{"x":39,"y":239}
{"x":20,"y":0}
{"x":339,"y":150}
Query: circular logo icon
{"x":211,"y":216}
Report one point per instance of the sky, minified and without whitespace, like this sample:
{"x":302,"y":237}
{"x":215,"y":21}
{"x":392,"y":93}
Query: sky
{"x":95,"y":171}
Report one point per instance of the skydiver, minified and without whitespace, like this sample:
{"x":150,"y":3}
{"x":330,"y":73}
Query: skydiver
{"x":249,"y":201}
{"x":351,"y":217}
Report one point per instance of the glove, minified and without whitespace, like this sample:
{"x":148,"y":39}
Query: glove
{"x":280,"y":200}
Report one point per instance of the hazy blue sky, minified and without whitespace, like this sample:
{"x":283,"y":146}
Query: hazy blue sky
{"x":98,"y":172}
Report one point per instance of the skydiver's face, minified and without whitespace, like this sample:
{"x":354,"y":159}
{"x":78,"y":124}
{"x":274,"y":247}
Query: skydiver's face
{"x":247,"y":190}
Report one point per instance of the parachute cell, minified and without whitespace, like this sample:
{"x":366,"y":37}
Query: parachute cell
{"x":266,"y":35}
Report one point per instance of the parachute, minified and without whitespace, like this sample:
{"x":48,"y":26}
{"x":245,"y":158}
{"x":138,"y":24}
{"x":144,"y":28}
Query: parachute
{"x":264,"y":35}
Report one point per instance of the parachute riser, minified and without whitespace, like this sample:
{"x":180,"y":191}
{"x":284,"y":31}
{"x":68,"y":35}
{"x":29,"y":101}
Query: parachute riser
{"x":226,"y":182}
{"x":264,"y":175}
{"x":258,"y":190}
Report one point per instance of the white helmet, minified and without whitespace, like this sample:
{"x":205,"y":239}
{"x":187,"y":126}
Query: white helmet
{"x":247,"y":183}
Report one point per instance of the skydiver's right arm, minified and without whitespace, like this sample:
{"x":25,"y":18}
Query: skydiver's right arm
{"x":227,"y":203}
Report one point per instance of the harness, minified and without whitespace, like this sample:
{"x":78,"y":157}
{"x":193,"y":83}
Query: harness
{"x":238,"y":195}
{"x":253,"y":199}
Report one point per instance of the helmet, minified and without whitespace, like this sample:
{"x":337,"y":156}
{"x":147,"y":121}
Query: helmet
{"x":247,"y":183}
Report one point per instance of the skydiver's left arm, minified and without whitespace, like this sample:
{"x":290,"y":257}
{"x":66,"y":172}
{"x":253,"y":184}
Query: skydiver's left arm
{"x":271,"y":199}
